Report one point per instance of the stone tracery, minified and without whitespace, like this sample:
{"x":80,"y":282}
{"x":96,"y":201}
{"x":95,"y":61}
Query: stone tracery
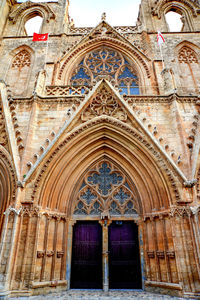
{"x":187,"y":55}
{"x":188,"y":61}
{"x":108,"y":64}
{"x":22,"y":59}
{"x":105,"y":188}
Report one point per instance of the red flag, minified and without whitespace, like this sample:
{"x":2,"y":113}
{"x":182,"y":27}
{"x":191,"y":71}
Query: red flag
{"x":40,"y":37}
{"x":160,"y":38}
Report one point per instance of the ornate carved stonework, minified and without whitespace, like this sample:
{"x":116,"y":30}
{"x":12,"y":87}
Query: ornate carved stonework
{"x":105,"y":188}
{"x":105,"y":39}
{"x":180,"y":211}
{"x":14,"y":15}
{"x":109,"y":64}
{"x":187,"y":55}
{"x":3,"y":134}
{"x":22,"y":59}
{"x":104,"y":103}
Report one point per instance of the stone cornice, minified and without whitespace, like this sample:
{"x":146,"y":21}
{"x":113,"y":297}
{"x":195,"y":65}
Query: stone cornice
{"x":141,"y":99}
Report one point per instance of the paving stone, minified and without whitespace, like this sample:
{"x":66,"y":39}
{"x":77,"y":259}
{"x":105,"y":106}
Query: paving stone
{"x":100,"y":295}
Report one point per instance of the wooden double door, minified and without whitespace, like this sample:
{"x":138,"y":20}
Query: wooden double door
{"x":88,"y":259}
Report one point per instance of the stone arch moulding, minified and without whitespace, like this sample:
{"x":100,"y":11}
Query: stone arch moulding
{"x":187,"y":44}
{"x":156,"y":184}
{"x":29,"y":7}
{"x":140,"y":61}
{"x":7,"y":183}
{"x":184,"y":5}
{"x":20,"y":48}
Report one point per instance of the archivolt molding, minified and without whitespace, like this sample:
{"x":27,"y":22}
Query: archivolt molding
{"x":5,"y":158}
{"x":161,"y":162}
{"x":160,"y":7}
{"x":29,"y":6}
{"x":105,"y":41}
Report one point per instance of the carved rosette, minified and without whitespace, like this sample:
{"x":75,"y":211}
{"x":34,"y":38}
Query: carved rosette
{"x":104,"y":103}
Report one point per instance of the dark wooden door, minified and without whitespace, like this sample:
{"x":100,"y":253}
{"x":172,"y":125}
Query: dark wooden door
{"x":124,"y":260}
{"x":86,"y":267}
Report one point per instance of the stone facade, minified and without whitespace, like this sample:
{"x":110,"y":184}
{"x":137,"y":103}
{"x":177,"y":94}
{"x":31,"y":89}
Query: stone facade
{"x":99,"y":97}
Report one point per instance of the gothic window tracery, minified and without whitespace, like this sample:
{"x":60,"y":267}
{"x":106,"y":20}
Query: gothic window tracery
{"x":22,"y":59}
{"x":105,"y":188}
{"x":187,"y":55}
{"x":108,"y":64}
{"x":20,"y":71}
{"x":189,"y":69}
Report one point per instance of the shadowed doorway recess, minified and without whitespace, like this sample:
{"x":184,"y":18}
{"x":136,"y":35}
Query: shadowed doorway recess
{"x":87,"y":256}
{"x":124,"y":260}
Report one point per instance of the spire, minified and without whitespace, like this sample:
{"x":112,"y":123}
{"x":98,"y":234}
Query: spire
{"x":67,"y":18}
{"x":103,"y":16}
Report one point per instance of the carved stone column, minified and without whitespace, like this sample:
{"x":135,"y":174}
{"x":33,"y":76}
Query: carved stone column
{"x":69,"y":251}
{"x":105,"y":223}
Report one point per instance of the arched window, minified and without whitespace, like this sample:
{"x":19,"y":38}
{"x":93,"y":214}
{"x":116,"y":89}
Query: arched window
{"x":34,"y":24}
{"x":108,"y":64}
{"x":19,"y":72}
{"x":106,"y":188}
{"x":189,"y":69}
{"x":174,"y":21}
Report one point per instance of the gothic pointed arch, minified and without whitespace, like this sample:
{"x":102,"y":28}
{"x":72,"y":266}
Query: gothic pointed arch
{"x":29,"y":10}
{"x":85,"y":146}
{"x":28,"y":5}
{"x":188,"y":59}
{"x":7,"y":183}
{"x":186,"y":8}
{"x":20,"y":68}
{"x":137,"y":63}
{"x":109,"y":64}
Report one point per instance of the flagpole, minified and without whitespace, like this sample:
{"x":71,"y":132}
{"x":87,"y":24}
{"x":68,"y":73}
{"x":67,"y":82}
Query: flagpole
{"x":163,"y":64}
{"x":45,"y":60}
{"x":160,"y":41}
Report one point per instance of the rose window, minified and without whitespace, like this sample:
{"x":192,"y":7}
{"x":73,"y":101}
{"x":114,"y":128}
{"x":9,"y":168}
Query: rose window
{"x":105,"y":63}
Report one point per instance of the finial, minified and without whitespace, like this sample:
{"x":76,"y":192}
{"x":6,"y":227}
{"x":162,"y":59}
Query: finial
{"x":103,"y":16}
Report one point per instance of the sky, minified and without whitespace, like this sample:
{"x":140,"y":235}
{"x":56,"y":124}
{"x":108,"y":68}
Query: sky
{"x":88,"y":12}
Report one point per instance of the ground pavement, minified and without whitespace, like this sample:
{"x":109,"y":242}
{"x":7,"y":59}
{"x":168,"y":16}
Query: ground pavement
{"x":100,"y":295}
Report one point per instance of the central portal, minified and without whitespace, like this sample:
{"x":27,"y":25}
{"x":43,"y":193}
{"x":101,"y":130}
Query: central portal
{"x":88,"y":255}
{"x":105,"y":249}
